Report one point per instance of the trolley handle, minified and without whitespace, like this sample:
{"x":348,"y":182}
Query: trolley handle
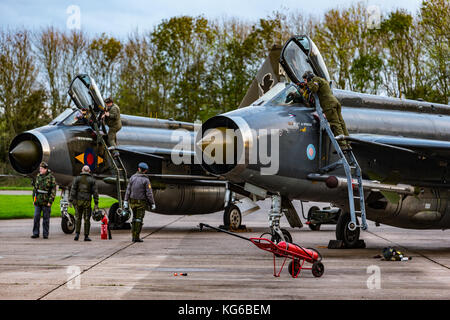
{"x":201,"y":225}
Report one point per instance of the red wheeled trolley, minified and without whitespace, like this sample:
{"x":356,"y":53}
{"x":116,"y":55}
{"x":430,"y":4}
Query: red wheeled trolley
{"x":296,"y":253}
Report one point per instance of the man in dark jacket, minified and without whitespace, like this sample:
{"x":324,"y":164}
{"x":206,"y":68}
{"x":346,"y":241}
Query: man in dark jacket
{"x":139,"y":193}
{"x":44,"y":192}
{"x":84,"y":187}
{"x":330,"y":106}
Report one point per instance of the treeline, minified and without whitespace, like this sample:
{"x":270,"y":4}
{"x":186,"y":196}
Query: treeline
{"x":190,"y":68}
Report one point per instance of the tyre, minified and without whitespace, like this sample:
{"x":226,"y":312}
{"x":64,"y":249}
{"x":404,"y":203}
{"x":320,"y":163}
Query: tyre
{"x":287,"y":236}
{"x":112,"y":216}
{"x":275,"y":238}
{"x":232,"y":217}
{"x":68,"y":224}
{"x":318,"y":269}
{"x":313,"y":227}
{"x":293,"y":268}
{"x":350,"y":238}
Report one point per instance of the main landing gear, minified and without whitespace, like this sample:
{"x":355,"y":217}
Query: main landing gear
{"x":232,"y":217}
{"x":116,"y":220}
{"x":67,"y":220}
{"x":347,"y":234}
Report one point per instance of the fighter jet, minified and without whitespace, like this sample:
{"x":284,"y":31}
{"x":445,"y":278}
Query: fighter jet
{"x":278,"y":147}
{"x":73,"y":140}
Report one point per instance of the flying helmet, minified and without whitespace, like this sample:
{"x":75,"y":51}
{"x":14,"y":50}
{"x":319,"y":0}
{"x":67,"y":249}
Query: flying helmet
{"x":308,"y":75}
{"x":98,"y":215}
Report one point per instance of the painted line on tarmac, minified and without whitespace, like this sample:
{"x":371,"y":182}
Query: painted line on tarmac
{"x":413,"y":251}
{"x":112,"y":254}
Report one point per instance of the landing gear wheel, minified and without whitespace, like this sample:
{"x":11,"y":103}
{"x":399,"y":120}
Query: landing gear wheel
{"x":318,"y":269}
{"x":232,"y":217}
{"x":68,"y":224}
{"x":293,"y":268}
{"x":350,"y":238}
{"x":275,"y":238}
{"x":312,"y":226}
{"x":116,"y":221}
{"x":112,"y":216}
{"x":287,"y":235}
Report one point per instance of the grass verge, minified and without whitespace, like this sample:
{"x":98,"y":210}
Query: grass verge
{"x":21,"y":206}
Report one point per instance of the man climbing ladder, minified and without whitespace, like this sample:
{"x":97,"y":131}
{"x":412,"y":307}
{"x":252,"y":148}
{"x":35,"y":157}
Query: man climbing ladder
{"x":330,"y":106}
{"x":336,"y":127}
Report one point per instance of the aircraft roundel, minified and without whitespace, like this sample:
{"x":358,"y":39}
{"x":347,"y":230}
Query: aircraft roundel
{"x":311,"y":152}
{"x":89,"y":158}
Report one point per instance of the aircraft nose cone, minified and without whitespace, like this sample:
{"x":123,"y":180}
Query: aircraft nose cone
{"x":217,"y":144}
{"x":26,"y":153}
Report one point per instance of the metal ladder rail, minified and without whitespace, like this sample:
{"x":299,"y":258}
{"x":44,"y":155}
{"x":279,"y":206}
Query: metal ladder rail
{"x":116,"y":168}
{"x":324,"y":126}
{"x":362,"y":204}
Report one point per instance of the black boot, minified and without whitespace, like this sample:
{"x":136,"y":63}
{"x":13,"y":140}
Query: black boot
{"x":138,"y":232}
{"x":86,"y":238}
{"x":77,"y":236}
{"x":346,"y":149}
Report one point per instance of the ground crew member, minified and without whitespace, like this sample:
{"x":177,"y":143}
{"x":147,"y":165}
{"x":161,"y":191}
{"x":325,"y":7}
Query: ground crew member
{"x":44,"y":192}
{"x":83,"y":188}
{"x":139,"y":193}
{"x":112,"y":119}
{"x":330,"y":106}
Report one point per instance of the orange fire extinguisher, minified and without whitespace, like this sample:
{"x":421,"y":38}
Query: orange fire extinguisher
{"x":104,"y":231}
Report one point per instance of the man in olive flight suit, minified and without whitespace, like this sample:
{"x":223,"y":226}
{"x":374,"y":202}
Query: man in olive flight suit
{"x":139,"y":193}
{"x":112,"y":119}
{"x":83,"y":188}
{"x":330,"y":106}
{"x":44,"y":192}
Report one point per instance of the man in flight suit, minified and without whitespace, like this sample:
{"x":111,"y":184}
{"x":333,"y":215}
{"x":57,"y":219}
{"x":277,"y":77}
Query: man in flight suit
{"x":112,"y":119}
{"x":81,"y":118}
{"x":44,"y":192}
{"x":330,"y":106}
{"x":139,"y":193}
{"x":83,"y":188}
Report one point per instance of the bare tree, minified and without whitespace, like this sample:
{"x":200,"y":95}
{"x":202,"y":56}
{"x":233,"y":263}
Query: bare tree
{"x":48,"y":45}
{"x":18,"y":74}
{"x":74,"y":45}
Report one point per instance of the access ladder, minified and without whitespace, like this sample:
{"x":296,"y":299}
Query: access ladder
{"x":348,"y":165}
{"x":118,"y":169}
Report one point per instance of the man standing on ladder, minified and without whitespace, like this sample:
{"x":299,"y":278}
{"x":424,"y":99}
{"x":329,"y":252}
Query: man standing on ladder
{"x":112,"y":119}
{"x":330,"y":106}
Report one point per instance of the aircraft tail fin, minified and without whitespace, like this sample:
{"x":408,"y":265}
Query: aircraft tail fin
{"x":267,"y":76}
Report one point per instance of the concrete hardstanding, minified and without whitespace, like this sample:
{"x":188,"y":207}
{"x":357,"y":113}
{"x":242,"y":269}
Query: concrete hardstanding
{"x":218,"y":266}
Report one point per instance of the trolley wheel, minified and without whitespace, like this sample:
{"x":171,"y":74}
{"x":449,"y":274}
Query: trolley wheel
{"x":232,"y":217}
{"x":318,"y":269}
{"x":68,"y":224}
{"x":293,"y":268}
{"x":312,"y":226}
{"x":343,"y":232}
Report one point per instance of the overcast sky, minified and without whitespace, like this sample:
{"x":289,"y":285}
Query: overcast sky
{"x":119,"y":17}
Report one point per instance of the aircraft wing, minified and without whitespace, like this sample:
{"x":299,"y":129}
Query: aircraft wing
{"x":436,"y":149}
